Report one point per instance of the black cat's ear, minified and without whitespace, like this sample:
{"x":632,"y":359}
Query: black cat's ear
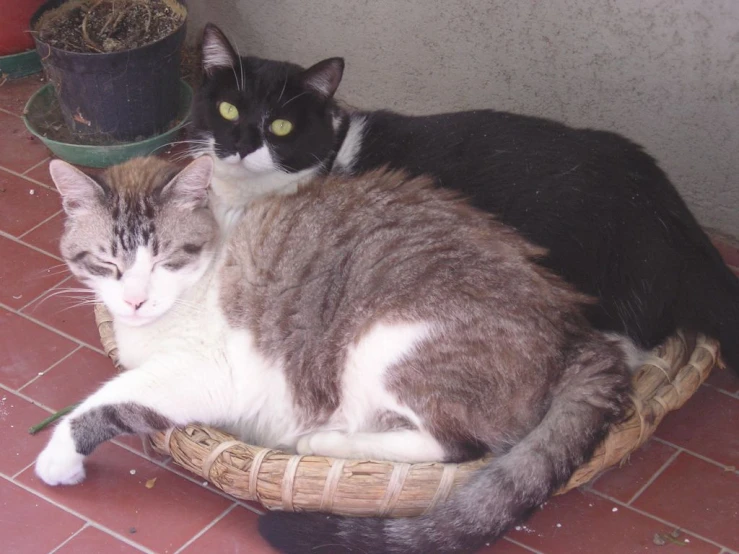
{"x":324,"y":77}
{"x":217,"y":51}
{"x":79,"y":192}
{"x":189,"y":188}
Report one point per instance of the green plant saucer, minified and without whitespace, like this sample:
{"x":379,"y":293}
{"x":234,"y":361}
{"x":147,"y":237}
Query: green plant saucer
{"x":43,"y":103}
{"x":15,"y":66}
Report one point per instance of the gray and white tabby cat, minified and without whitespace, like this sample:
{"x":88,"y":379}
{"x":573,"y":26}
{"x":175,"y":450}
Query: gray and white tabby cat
{"x":369,"y":317}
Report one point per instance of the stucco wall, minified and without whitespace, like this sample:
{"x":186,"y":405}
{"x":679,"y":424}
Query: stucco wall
{"x":665,"y":73}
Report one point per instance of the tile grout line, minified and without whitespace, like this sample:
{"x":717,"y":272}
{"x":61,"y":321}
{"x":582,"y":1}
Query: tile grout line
{"x":27,"y":398}
{"x":52,"y":366}
{"x":22,"y":470}
{"x":10,"y":113}
{"x":656,"y":518}
{"x":48,"y":158}
{"x":73,"y":535}
{"x":522,"y":545}
{"x":121,"y":538}
{"x":27,"y":178}
{"x":723,"y":391}
{"x":654,"y":477}
{"x":31,"y":246}
{"x":206,"y":528}
{"x":78,"y":515}
{"x":729,"y":394}
{"x":699,"y":456}
{"x":40,"y":224}
{"x":50,"y":328}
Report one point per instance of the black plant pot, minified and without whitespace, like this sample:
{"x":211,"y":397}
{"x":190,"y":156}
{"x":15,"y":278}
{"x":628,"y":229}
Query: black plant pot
{"x":116,"y":96}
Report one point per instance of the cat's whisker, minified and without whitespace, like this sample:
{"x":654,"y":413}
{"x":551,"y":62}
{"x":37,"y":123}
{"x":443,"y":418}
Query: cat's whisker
{"x":75,"y":305}
{"x":62,"y":294}
{"x":49,"y":271}
{"x":284,"y":86}
{"x":241,"y":86}
{"x":295,"y":98}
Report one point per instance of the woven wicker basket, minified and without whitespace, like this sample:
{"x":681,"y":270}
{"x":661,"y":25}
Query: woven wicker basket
{"x":279,"y":480}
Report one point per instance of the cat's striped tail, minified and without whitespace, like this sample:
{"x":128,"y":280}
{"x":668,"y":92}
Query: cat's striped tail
{"x":591,"y":395}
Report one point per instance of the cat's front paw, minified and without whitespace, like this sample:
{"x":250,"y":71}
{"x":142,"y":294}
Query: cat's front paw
{"x":59,"y":463}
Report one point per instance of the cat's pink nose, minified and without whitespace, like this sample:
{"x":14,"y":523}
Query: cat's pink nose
{"x":135,"y":302}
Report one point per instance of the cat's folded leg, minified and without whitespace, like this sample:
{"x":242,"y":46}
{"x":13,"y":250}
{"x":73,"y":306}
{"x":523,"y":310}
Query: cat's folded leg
{"x":403,"y":445}
{"x":135,"y":402}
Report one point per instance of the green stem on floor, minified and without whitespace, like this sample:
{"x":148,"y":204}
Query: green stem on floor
{"x":51,"y":419}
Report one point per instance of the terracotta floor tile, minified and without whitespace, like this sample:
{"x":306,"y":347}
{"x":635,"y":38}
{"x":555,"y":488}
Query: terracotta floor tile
{"x":14,"y":94}
{"x":624,"y":482}
{"x":24,"y":204}
{"x":72,"y":380}
{"x":19,"y":149}
{"x":162,"y":518}
{"x":16,"y":416}
{"x":134,"y":442}
{"x":234,"y":534}
{"x":95,"y":541}
{"x":62,"y":312}
{"x":41,"y":173}
{"x":25,"y":273}
{"x":707,"y":425}
{"x":724,"y":379}
{"x":503,"y":547}
{"x":26,"y":349}
{"x":21,"y":514}
{"x":47,"y":236}
{"x":698,"y":496}
{"x":582,"y":523}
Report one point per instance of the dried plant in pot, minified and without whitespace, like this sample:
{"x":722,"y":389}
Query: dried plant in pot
{"x":114,"y":65}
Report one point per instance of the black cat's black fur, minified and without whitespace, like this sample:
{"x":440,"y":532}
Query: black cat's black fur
{"x":611,"y":220}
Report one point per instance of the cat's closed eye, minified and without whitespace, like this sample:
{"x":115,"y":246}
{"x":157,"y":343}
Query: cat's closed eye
{"x":97,"y":266}
{"x":113,"y":267}
{"x":190,"y":248}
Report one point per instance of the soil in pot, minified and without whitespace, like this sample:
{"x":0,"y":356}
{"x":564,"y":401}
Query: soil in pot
{"x":113,"y":64}
{"x":108,"y":25}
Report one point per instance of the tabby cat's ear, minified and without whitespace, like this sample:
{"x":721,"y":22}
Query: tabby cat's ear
{"x":189,"y":188}
{"x":79,"y":191}
{"x":217,"y":51}
{"x":324,"y":77}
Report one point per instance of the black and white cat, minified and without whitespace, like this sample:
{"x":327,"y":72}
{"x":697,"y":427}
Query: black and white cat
{"x":612,"y":222}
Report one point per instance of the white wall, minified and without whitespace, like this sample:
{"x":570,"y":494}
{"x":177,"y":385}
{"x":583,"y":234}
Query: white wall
{"x":663,"y":72}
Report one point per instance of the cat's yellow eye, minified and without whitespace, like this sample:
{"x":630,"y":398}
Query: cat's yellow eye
{"x":281,"y":127}
{"x":228,"y":111}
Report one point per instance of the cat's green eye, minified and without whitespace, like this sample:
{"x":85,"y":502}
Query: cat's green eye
{"x":228,"y":111}
{"x":281,"y":127}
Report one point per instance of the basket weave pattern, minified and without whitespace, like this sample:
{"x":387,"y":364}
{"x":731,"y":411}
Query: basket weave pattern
{"x":279,"y":480}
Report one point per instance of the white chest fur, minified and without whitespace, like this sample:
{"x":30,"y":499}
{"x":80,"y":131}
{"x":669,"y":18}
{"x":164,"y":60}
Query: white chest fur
{"x":243,"y":391}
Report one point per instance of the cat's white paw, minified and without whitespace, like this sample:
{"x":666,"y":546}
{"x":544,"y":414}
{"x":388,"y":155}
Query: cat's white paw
{"x":323,"y":443}
{"x":59,"y":463}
